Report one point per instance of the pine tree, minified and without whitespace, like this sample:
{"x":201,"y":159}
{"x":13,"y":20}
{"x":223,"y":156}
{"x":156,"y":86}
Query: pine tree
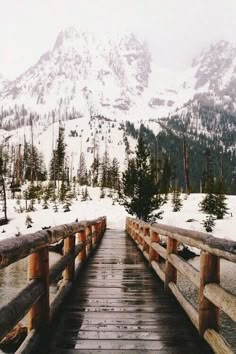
{"x":34,"y":167}
{"x":144,"y":200}
{"x":214,"y":202}
{"x":95,"y":171}
{"x":102,"y":193}
{"x":209,"y":223}
{"x":55,"y":207}
{"x":105,"y":180}
{"x":221,"y":206}
{"x":82,"y":172}
{"x":28,"y":221}
{"x":63,"y":192}
{"x":115,"y":174}
{"x":165,"y":177}
{"x":57,"y":162}
{"x":176,"y":200}
{"x":129,"y":179}
{"x":85,"y":195}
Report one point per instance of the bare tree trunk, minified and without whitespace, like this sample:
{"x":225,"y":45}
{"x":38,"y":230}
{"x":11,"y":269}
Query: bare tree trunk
{"x":186,"y":166}
{"x":4,"y":199}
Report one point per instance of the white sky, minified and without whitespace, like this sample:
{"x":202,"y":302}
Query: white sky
{"x":176,"y":30}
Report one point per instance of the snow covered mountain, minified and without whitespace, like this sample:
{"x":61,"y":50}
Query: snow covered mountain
{"x":84,"y":76}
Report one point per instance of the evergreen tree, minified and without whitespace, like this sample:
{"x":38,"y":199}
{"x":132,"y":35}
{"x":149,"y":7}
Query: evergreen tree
{"x":129,"y":179}
{"x":165,"y":177}
{"x":55,"y":207}
{"x":95,"y":171}
{"x":221,"y":206}
{"x":209,"y":223}
{"x":34,"y":167}
{"x":214,"y":202}
{"x":63,"y":192}
{"x":28,"y":221}
{"x":102,"y":193}
{"x":85,"y":195}
{"x":176,"y":200}
{"x":57,"y":162}
{"x":115,"y":174}
{"x":105,"y":180}
{"x":82,"y":172}
{"x":144,"y":200}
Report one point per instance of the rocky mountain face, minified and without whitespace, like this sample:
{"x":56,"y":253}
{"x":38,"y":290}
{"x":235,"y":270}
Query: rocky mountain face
{"x":84,"y":76}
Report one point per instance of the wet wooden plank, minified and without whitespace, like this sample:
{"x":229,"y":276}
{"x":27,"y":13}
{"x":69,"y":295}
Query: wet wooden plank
{"x":119,"y":306}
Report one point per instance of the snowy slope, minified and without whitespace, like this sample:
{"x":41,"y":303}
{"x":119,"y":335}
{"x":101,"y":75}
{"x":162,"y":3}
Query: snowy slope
{"x":81,"y":135}
{"x":116,"y":215}
{"x":85,"y":75}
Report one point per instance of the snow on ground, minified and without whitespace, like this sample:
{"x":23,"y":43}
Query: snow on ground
{"x":116,"y":214}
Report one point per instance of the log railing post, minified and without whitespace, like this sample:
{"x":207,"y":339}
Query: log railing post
{"x":81,"y":237}
{"x":94,"y":235}
{"x":69,"y":246}
{"x":154,"y":238}
{"x":38,"y":269}
{"x":146,"y":230}
{"x":209,"y":273}
{"x":89,"y":241}
{"x":170,"y":270}
{"x":140,"y":239}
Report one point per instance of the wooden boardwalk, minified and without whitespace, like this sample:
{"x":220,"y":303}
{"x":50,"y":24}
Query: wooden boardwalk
{"x":119,"y":306}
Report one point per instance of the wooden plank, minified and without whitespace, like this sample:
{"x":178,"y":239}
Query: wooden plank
{"x":134,"y":345}
{"x":119,"y":306}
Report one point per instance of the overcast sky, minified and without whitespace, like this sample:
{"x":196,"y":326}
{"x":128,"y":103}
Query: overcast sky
{"x":176,"y":30}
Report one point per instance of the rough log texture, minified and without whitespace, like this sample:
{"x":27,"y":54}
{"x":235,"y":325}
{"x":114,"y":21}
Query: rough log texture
{"x":158,"y":270}
{"x":222,"y":299}
{"x":154,"y":239}
{"x":16,"y":248}
{"x":217,"y":342}
{"x":81,"y":238}
{"x":186,"y":305}
{"x":170,"y":270}
{"x":217,"y":246}
{"x":69,"y":248}
{"x":58,"y":267}
{"x":209,"y":273}
{"x":18,"y":307}
{"x":38,"y":269}
{"x":34,"y":298}
{"x":160,"y":250}
{"x":186,"y":269}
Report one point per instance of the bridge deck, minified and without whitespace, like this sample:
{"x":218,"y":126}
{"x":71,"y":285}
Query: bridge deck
{"x":120,"y":307}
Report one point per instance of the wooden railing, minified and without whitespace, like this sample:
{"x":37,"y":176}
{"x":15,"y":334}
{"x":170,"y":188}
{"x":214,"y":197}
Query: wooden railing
{"x":212,"y":296}
{"x":80,"y":238}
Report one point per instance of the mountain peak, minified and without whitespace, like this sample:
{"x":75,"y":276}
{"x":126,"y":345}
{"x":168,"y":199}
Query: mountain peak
{"x":70,"y":33}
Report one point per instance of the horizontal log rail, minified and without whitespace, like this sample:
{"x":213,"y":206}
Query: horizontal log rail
{"x":80,"y":238}
{"x":212,"y":296}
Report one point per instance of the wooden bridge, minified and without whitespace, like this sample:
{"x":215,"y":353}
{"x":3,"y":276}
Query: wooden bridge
{"x":110,"y":300}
